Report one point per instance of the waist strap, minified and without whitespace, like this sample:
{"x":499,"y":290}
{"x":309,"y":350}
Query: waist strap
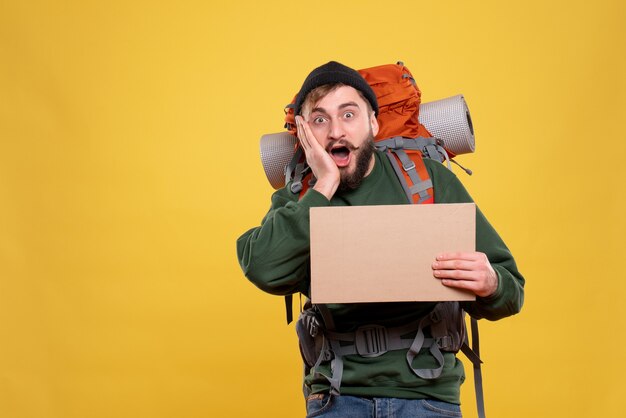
{"x":376,"y":340}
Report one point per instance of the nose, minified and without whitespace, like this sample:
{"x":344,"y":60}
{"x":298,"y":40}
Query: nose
{"x":336,"y":130}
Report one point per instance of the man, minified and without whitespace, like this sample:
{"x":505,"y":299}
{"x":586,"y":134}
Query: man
{"x":336,"y":120}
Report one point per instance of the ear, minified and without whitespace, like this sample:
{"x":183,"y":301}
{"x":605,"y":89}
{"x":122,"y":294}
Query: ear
{"x":374,"y":123}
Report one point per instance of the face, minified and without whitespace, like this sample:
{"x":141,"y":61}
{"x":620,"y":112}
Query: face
{"x":345,"y":127}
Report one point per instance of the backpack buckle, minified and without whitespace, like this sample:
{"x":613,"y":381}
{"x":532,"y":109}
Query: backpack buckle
{"x":296,"y":186}
{"x":371,"y":340}
{"x":409,"y":166}
{"x":445,"y":342}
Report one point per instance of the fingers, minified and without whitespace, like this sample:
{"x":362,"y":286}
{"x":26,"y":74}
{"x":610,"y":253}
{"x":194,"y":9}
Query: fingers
{"x":460,"y":265}
{"x":469,"y":256}
{"x":304,"y":133}
{"x":457,"y":274}
{"x":480,"y":283}
{"x":300,"y":132}
{"x":458,"y":284}
{"x":322,"y":165}
{"x":455,"y":264}
{"x":466,"y":270}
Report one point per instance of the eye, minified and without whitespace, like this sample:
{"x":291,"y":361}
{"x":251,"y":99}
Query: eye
{"x":319,"y":119}
{"x":348,"y":115}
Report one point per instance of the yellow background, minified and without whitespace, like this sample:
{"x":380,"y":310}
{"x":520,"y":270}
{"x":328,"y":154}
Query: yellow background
{"x":129,"y":166}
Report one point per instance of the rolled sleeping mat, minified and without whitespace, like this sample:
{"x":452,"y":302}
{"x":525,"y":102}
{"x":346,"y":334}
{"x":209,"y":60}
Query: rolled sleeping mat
{"x":449,"y":120}
{"x":446,"y":119}
{"x":277,"y":150}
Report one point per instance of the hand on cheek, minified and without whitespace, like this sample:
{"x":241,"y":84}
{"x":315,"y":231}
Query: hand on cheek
{"x":324,"y":168}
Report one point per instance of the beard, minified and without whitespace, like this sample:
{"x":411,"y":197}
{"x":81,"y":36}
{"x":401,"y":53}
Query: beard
{"x":363,"y":156}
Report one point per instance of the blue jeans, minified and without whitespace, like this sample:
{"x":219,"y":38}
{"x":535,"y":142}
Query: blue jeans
{"x":355,"y":407}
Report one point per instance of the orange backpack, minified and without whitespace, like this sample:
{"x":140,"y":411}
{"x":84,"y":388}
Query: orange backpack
{"x":401,"y":135}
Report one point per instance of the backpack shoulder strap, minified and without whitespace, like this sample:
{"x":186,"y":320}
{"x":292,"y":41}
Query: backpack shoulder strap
{"x":289,"y":308}
{"x":410,"y":170}
{"x":413,"y":175}
{"x":473,"y":354}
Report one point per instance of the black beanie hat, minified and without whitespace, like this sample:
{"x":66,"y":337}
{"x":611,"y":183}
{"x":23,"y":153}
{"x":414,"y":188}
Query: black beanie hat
{"x":333,"y":73}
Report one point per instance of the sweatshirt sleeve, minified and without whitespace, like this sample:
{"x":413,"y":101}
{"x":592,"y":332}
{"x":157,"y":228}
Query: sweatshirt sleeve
{"x":275,"y":255}
{"x":509,"y":296}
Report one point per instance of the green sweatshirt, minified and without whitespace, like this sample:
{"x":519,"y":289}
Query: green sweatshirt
{"x":275,"y":257}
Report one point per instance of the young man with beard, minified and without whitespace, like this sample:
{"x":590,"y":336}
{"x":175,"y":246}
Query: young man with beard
{"x":336,"y":119}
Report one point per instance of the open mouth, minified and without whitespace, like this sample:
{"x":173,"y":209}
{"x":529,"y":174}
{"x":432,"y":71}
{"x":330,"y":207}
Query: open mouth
{"x":341,"y":155}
